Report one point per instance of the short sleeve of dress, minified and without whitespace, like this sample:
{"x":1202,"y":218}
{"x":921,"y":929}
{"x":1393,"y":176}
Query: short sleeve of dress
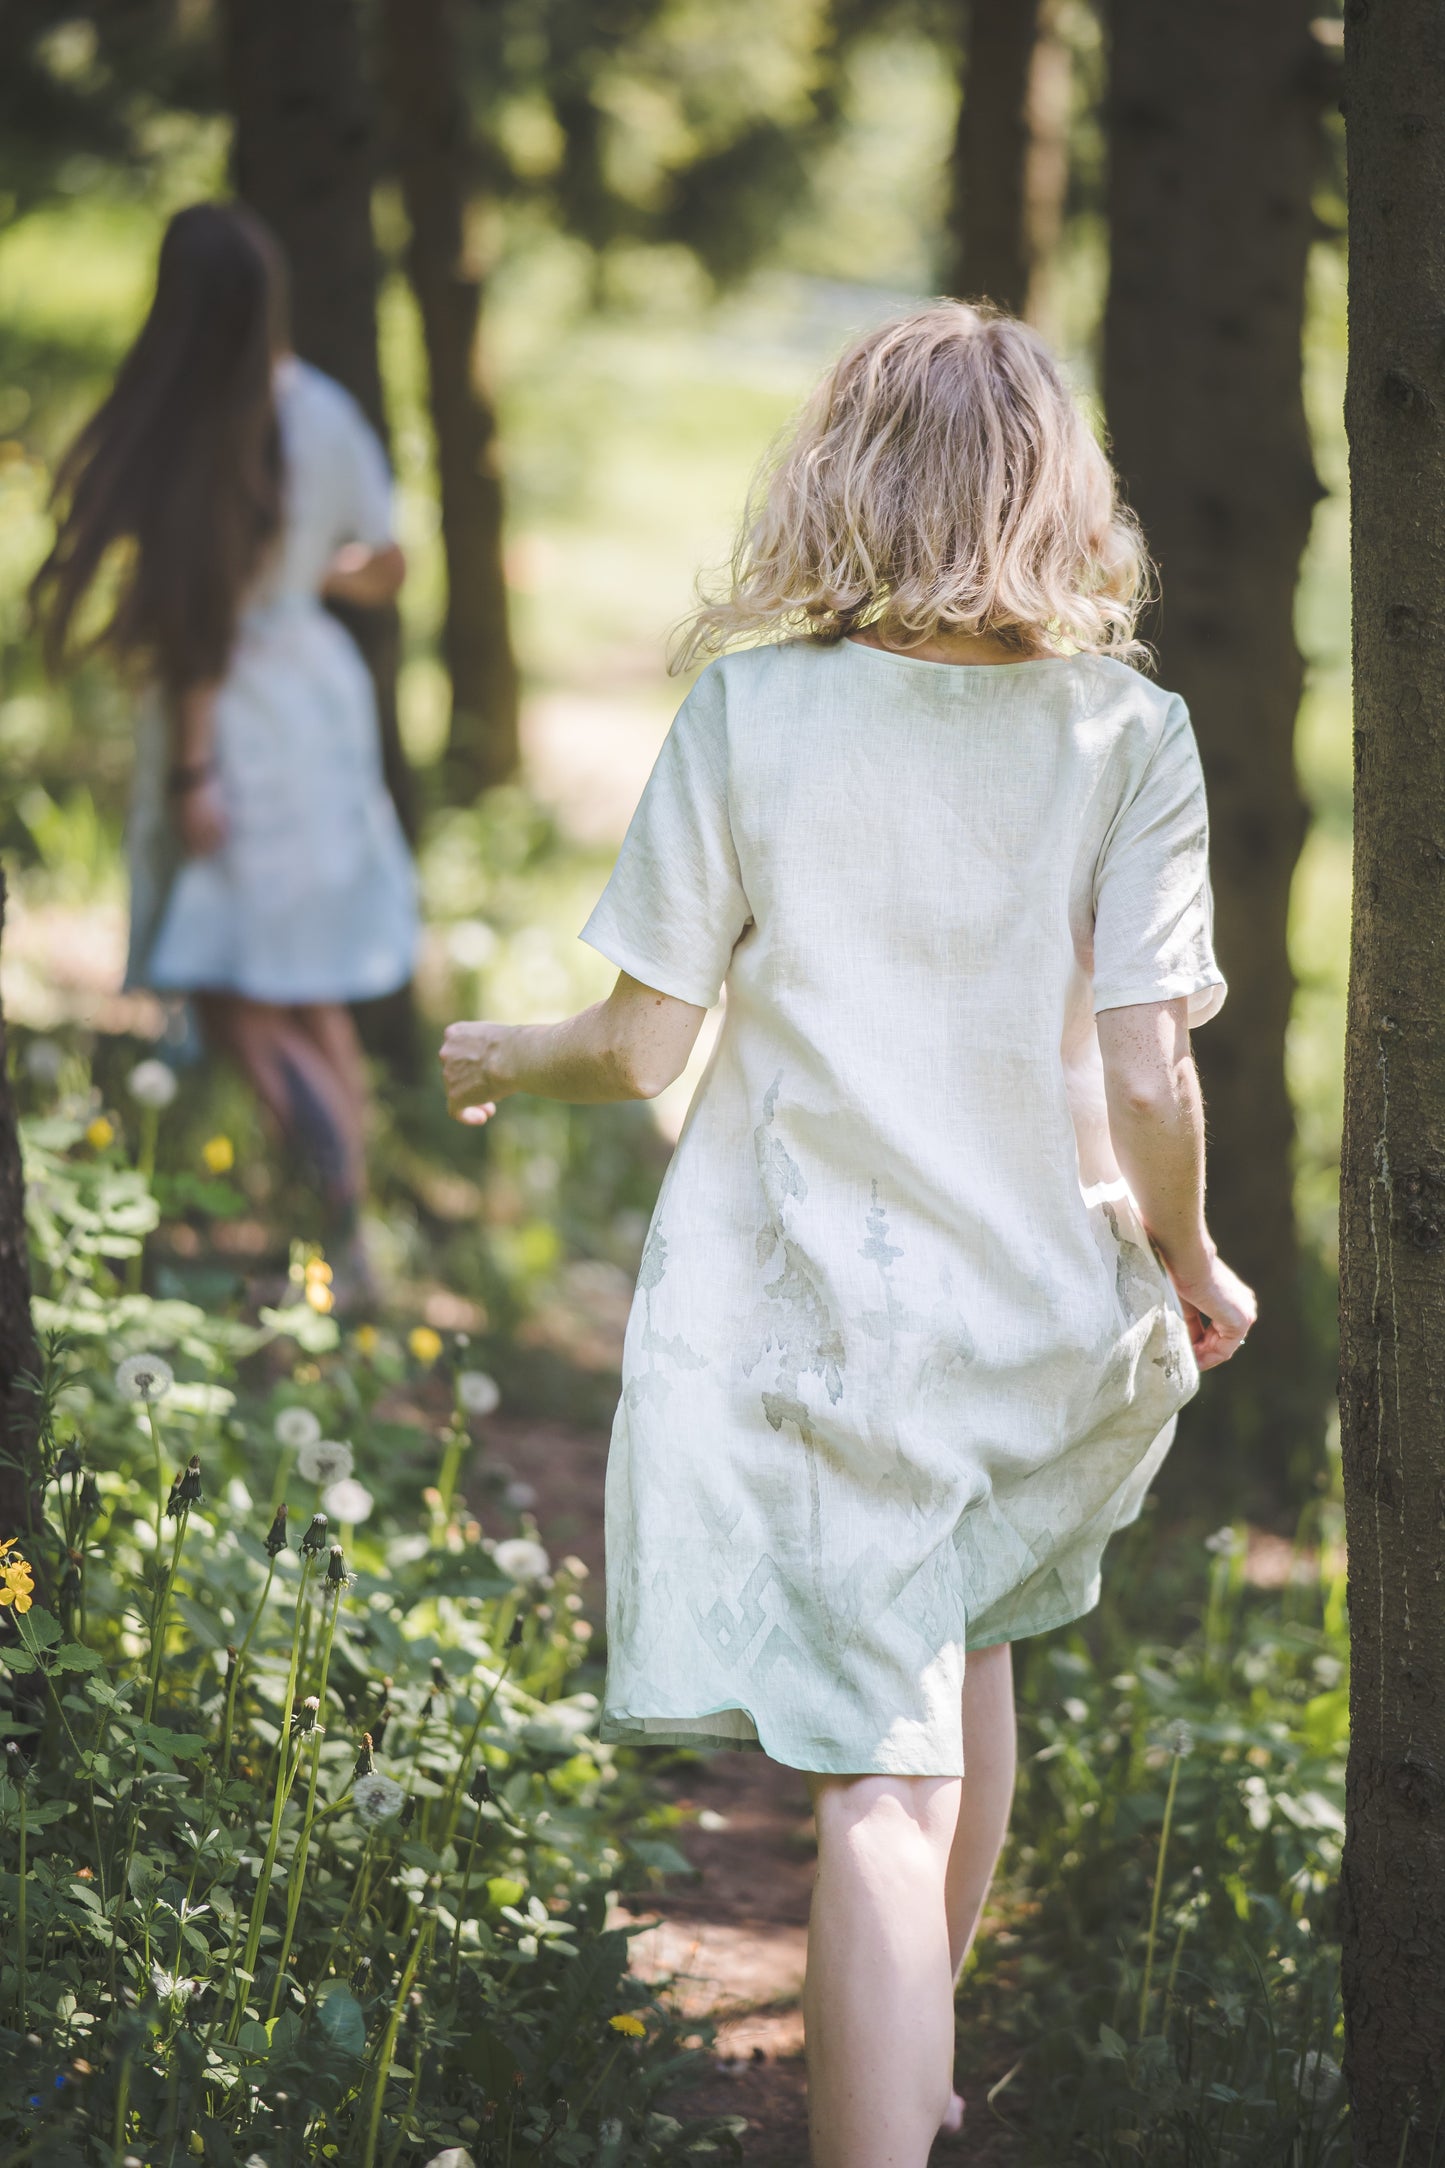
{"x":366,"y":493}
{"x":674,"y":909}
{"x":1153,"y":908}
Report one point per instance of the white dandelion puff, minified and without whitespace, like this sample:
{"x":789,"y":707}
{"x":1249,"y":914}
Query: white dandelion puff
{"x":522,"y":1559}
{"x":152,"y":1083}
{"x":1224,"y":1543}
{"x":377,"y":1798}
{"x":325,"y":1460}
{"x":44,"y":1061}
{"x":1178,"y":1738}
{"x":297,"y":1427}
{"x":348,"y":1501}
{"x":1316,"y":2074}
{"x":521,"y":1497}
{"x":144,"y":1377}
{"x":478,"y":1394}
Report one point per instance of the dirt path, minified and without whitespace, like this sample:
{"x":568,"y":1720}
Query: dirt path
{"x":732,"y":1940}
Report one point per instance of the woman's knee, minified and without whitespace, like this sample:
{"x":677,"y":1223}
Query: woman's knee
{"x":885,"y":1816}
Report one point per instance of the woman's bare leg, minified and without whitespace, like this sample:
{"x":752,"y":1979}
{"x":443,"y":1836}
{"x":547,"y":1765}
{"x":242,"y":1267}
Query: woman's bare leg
{"x":990,"y":1755}
{"x":878,"y":1997}
{"x":297,"y":1085}
{"x":332,"y":1031}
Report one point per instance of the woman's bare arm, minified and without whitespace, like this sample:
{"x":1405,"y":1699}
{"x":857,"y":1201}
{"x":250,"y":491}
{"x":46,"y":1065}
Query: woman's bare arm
{"x":630,"y":1046}
{"x":1156,"y":1121}
{"x":192,"y":786}
{"x":366,"y":576}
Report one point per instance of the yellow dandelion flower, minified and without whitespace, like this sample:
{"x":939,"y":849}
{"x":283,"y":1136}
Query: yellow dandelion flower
{"x":320,"y":1297}
{"x":425,"y":1344}
{"x":219,"y":1154}
{"x":625,"y":2022}
{"x":367,"y":1339}
{"x":100,"y":1133}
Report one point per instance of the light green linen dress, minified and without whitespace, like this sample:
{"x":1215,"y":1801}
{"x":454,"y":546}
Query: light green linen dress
{"x":901,"y":1357}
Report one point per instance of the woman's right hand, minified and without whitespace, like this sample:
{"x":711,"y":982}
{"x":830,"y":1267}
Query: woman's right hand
{"x":201,"y":818}
{"x":1218,"y":1309}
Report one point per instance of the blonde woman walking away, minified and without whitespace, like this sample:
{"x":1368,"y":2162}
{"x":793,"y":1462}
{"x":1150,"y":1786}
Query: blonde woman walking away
{"x":929,"y":1277}
{"x":234,"y":490}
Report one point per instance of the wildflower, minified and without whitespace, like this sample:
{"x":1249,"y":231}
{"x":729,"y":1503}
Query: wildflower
{"x":325,"y":1460}
{"x":100,"y":1133}
{"x":152,"y":1084}
{"x":304,"y":1721}
{"x":296,"y":1427}
{"x":186,"y":1489}
{"x":377,"y":1798}
{"x":313,"y":1543}
{"x":144,"y":1377}
{"x":365,"y":1759}
{"x":17,"y":1582}
{"x":367,"y":1339}
{"x":348,"y":1502}
{"x":276,"y":1538}
{"x":336,"y":1572}
{"x":44,"y":1061}
{"x":219,"y":1155}
{"x":425,"y":1344}
{"x":477,"y":1393}
{"x":522,"y":1559}
{"x":1178,"y":1738}
{"x":480,"y":1788}
{"x":1224,"y":1543}
{"x":170,"y":1986}
{"x":626,"y":2022}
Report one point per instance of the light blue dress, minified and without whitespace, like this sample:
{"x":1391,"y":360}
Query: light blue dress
{"x":901,"y":1358}
{"x":312,"y":897}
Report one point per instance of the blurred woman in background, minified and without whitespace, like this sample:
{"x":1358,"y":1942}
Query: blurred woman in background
{"x":220,"y":496}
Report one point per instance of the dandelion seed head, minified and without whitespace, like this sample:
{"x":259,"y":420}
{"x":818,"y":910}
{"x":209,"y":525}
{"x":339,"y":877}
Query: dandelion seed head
{"x":522,"y":1559}
{"x":44,"y":1061}
{"x":296,"y":1427}
{"x":377,"y":1798}
{"x":152,"y":1084}
{"x":521,"y":1497}
{"x":144,"y":1377}
{"x":477,"y":1393}
{"x":1178,"y":1738}
{"x":348,"y":1502}
{"x":325,"y":1460}
{"x":1224,"y":1543}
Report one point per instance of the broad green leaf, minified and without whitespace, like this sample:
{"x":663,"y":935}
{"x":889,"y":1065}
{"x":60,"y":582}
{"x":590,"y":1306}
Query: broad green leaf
{"x":339,"y":2014}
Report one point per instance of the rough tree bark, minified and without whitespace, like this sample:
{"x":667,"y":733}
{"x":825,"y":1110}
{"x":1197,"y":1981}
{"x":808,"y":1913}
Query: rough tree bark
{"x":432,"y":154}
{"x":1392,"y":1226}
{"x":19,"y":1356}
{"x":1010,"y":165}
{"x":1214,"y":118}
{"x":304,"y":157}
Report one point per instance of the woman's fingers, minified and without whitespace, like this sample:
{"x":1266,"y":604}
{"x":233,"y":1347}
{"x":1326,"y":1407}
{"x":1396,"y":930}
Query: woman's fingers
{"x":466,"y":1075}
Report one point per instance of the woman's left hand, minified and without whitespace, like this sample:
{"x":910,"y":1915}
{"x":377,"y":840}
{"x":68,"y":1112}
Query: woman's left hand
{"x":469,"y":1060}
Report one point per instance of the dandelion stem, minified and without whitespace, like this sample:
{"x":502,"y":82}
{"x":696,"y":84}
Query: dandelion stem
{"x":233,"y":1683}
{"x":297,"y":1876}
{"x":22,"y":1952}
{"x":160,"y":1477}
{"x":278,"y":1801}
{"x":162,"y":1612}
{"x":1158,"y":1894}
{"x":424,"y":1933}
{"x":457,"y":1442}
{"x":456,"y":1964}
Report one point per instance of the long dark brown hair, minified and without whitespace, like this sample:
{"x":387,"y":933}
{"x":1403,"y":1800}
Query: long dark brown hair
{"x":181,"y":467}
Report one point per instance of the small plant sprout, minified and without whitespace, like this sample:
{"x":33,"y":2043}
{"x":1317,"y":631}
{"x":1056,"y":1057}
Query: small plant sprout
{"x":477,"y":1394}
{"x":522,"y":1558}
{"x":325,"y":1461}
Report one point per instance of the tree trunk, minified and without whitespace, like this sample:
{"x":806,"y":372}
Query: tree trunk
{"x":430,"y":129}
{"x":304,"y":158}
{"x":19,"y":1356}
{"x":1214,"y":129}
{"x":1392,"y":1221}
{"x":1010,"y":165}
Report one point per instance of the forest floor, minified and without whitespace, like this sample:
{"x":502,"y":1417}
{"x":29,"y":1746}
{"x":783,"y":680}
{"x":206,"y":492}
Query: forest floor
{"x":728,"y":1944}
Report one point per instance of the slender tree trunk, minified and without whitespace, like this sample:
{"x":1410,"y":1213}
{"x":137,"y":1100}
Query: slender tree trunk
{"x":1392,"y":1223}
{"x":433,"y":159}
{"x":1010,"y":166}
{"x":19,"y":1356}
{"x":1214,"y":116}
{"x":304,"y":157}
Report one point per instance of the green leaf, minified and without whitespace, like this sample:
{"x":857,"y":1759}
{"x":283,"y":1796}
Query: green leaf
{"x":40,"y":1629}
{"x":339,"y":2015}
{"x":75,"y":1656}
{"x":251,"y":2039}
{"x":18,"y":1660}
{"x":664,"y":1858}
{"x":1112,"y":2044}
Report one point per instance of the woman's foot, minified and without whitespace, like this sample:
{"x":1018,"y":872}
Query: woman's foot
{"x":952,"y":2122}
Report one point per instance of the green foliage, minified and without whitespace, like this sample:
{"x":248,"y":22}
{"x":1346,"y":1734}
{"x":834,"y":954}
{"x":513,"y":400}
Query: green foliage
{"x":1168,"y":1963}
{"x":303,"y":1853}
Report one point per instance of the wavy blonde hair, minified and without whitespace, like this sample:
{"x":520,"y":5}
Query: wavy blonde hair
{"x":941,"y":479}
